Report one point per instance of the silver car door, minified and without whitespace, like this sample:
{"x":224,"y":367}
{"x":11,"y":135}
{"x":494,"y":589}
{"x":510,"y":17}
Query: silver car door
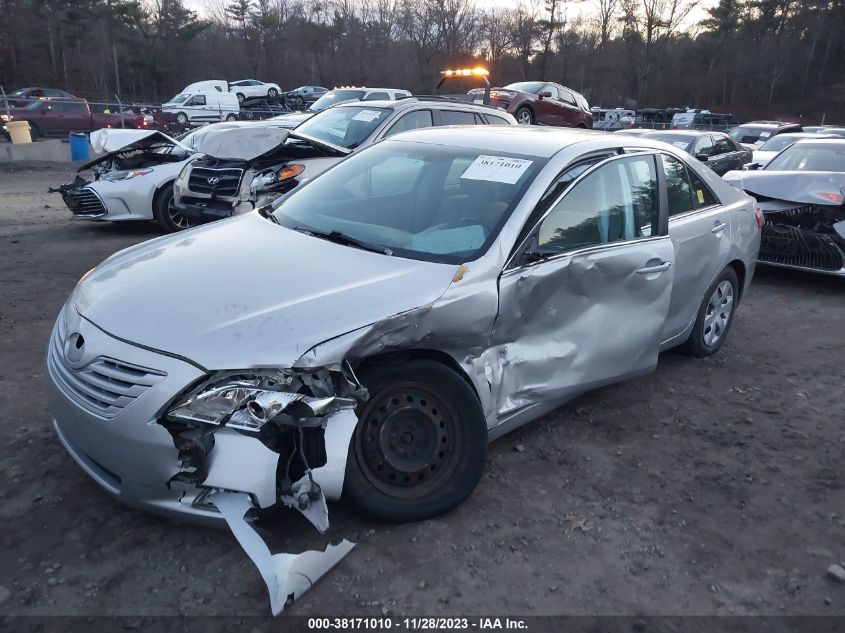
{"x":584,"y":300}
{"x":700,"y":230}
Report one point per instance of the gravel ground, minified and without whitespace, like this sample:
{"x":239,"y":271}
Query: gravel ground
{"x":712,"y":487}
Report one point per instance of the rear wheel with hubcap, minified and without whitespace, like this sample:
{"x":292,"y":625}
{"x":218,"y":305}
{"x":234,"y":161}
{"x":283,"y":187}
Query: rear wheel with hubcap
{"x":420,"y":444}
{"x":714,"y":316}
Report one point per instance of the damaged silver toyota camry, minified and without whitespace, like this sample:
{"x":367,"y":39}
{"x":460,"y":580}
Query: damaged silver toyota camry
{"x":371,"y":333}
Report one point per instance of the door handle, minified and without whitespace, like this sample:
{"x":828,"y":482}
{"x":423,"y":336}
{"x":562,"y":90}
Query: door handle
{"x":719,"y":227}
{"x":656,"y":268}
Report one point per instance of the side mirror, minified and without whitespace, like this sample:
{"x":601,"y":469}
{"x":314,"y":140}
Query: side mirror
{"x":545,"y":93}
{"x":702,"y":157}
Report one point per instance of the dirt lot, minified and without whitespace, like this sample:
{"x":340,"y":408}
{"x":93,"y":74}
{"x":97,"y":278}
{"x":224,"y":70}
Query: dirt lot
{"x":711,"y":487}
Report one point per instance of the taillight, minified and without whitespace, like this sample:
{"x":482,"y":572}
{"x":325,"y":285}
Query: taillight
{"x":758,"y":215}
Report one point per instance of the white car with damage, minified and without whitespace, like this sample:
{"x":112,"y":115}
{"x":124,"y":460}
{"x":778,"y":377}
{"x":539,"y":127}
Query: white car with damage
{"x":132,"y":178}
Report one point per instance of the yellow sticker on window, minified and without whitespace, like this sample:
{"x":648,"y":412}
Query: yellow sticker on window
{"x":700,"y":196}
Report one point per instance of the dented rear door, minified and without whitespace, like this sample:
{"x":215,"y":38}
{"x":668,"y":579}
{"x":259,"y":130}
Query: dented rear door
{"x":592,"y":309}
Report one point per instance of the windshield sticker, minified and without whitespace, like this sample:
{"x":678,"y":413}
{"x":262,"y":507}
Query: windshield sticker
{"x":367,"y":115}
{"x":497,"y":169}
{"x":679,"y":144}
{"x":442,"y":241}
{"x":765,"y":134}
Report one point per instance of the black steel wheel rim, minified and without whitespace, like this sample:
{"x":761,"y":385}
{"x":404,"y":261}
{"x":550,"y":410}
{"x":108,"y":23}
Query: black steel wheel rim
{"x":408,"y":441}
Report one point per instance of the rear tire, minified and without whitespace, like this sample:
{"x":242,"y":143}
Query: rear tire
{"x":420,"y":444}
{"x":34,"y":133}
{"x":241,"y":97}
{"x":164,"y":211}
{"x":182,"y":119}
{"x":715,"y":316}
{"x":524,"y":116}
{"x":231,"y":117}
{"x":272,"y":93}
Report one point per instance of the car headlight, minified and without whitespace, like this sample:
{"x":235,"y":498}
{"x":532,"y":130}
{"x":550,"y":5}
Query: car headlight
{"x":124,"y":174}
{"x":251,"y":399}
{"x":275,"y":176}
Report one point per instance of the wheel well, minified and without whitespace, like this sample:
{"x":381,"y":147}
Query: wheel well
{"x":739,"y":269}
{"x":410,"y":354}
{"x":161,"y":190}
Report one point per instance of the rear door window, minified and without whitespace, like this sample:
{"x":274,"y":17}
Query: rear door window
{"x":678,"y":189}
{"x":492,"y":119}
{"x":377,"y":96}
{"x":454,"y":117}
{"x":701,"y":195}
{"x":411,"y":121}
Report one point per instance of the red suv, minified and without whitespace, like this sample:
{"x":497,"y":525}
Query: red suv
{"x":542,"y":103}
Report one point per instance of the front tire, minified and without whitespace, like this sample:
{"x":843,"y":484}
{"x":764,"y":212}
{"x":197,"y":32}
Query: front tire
{"x":524,"y":116}
{"x":715,"y":316}
{"x":420,"y":444}
{"x":165,"y":212}
{"x":272,"y":93}
{"x":182,"y":119}
{"x":34,"y":133}
{"x":241,"y":97}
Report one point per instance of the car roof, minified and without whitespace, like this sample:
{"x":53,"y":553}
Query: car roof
{"x":694,"y":133}
{"x":543,"y":142}
{"x":771,"y":124}
{"x":836,"y":142}
{"x":406,"y":102}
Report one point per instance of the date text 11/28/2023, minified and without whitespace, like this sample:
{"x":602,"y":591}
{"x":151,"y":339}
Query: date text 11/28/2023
{"x":416,"y":624}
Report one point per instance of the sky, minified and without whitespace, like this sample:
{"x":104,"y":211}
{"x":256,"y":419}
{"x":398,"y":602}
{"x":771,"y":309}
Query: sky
{"x":573,"y":8}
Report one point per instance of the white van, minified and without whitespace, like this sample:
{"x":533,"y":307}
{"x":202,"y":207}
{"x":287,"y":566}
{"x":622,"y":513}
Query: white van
{"x":196,"y":108}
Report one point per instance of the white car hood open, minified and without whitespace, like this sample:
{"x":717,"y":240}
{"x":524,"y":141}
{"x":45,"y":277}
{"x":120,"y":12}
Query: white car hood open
{"x":115,"y":140}
{"x":807,"y":187}
{"x":245,"y":292}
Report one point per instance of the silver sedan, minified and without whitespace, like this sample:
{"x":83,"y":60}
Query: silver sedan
{"x":370,"y":334}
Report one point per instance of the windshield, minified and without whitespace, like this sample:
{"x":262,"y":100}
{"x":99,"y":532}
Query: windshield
{"x":778,"y":143}
{"x":527,"y":86}
{"x":431,"y":202}
{"x":335,"y":96}
{"x":178,"y":99}
{"x":810,"y":157}
{"x":750,"y":134}
{"x":347,"y":127}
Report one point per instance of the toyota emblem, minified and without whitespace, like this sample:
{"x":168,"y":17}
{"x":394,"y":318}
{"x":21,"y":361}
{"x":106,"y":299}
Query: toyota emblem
{"x":74,"y":348}
{"x":213,"y":181}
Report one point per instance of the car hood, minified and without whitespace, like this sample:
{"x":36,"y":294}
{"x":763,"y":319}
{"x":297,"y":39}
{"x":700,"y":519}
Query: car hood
{"x":807,"y":187}
{"x":239,"y":141}
{"x":245,"y":292}
{"x":115,"y":141}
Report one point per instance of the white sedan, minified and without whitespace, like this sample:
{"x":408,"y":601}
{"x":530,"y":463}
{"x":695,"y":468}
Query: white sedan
{"x":133,"y":179}
{"x":249,"y":88}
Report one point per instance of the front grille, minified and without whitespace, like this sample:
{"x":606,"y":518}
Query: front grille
{"x":104,"y":386}
{"x":794,"y":246}
{"x":84,"y":201}
{"x":803,"y":237}
{"x":228,"y":181}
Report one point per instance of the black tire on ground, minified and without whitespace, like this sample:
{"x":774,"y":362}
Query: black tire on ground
{"x":420,"y":444}
{"x":710,"y":321}
{"x":34,"y":132}
{"x":182,"y":118}
{"x":231,"y":117}
{"x":524,"y":116}
{"x":272,"y":93}
{"x":162,"y":212}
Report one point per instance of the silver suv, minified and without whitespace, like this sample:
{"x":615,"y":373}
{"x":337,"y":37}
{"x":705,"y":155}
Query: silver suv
{"x":226,"y":182}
